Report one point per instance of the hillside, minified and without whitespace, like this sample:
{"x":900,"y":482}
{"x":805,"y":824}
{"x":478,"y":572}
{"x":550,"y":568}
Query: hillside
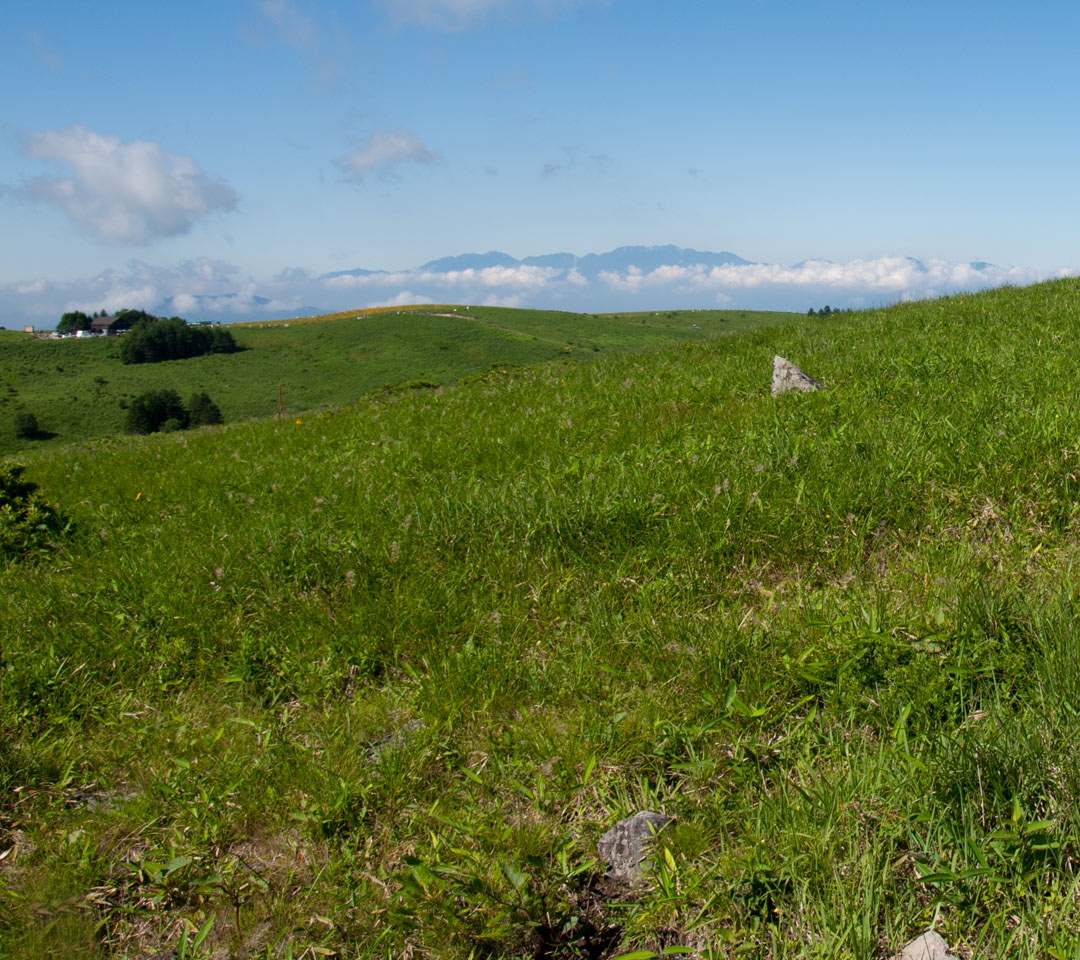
{"x":76,"y":388}
{"x":373,"y":682}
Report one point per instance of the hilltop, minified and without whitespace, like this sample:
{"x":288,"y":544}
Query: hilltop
{"x":77,"y":389}
{"x":374,"y":683}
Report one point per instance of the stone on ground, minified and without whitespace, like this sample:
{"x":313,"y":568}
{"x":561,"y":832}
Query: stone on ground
{"x":625,"y":845}
{"x":786,"y":376}
{"x":927,"y":946}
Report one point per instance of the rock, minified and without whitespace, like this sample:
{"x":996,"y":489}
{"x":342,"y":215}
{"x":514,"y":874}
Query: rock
{"x":391,"y":741}
{"x":928,"y":946}
{"x":786,"y":376}
{"x":625,"y":845}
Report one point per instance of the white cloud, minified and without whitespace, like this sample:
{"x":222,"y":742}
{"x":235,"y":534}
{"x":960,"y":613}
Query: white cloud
{"x":443,"y":14}
{"x":205,"y":288}
{"x":404,"y":298}
{"x":383,"y":151}
{"x":296,"y":28}
{"x":518,"y":277}
{"x":893,"y":276}
{"x":184,"y":303}
{"x":348,"y":281}
{"x":126,"y":192}
{"x":513,"y":300}
{"x":203,"y":284}
{"x":46,"y":57}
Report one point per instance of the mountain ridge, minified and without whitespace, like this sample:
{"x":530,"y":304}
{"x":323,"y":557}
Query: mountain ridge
{"x":621,"y":259}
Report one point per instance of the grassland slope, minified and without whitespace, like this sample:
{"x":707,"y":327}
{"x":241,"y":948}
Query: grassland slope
{"x":374,"y":683}
{"x":77,"y":388}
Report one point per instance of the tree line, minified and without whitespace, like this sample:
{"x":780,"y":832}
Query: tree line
{"x":162,"y":410}
{"x":156,"y":339}
{"x":826,"y":311}
{"x":151,"y":339}
{"x":75,"y":320}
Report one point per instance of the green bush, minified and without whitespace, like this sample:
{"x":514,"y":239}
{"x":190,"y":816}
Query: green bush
{"x":27,"y":522}
{"x":26,"y":426}
{"x":150,"y":411}
{"x":202,"y":411}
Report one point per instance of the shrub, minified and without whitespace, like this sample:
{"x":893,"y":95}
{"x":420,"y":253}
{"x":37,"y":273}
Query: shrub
{"x":27,"y":522}
{"x":26,"y":426}
{"x":150,"y":411}
{"x":202,"y":411}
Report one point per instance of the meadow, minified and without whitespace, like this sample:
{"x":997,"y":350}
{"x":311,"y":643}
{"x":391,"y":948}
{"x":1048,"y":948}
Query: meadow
{"x":76,"y":388}
{"x":371,"y":682}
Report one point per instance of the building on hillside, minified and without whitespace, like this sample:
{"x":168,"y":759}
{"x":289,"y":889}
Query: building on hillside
{"x":100,"y":325}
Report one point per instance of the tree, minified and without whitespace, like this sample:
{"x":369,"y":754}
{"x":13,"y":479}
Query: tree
{"x":149,"y":411}
{"x":222,"y":341}
{"x":130,"y":318}
{"x":26,"y":426}
{"x":73,"y":321}
{"x":202,"y":411}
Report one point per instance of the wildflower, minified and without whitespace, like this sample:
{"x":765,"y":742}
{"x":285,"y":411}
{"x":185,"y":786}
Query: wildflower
{"x":299,"y":421}
{"x":139,"y":494}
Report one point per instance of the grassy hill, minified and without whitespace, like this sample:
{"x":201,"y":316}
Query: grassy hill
{"x":76,"y":388}
{"x":372,"y":684}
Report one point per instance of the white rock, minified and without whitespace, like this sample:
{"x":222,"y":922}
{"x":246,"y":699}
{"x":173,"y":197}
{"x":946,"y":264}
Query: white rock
{"x":928,"y":946}
{"x":786,"y":376}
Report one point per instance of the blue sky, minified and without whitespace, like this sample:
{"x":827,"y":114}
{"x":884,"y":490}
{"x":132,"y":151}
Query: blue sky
{"x":240,"y":150}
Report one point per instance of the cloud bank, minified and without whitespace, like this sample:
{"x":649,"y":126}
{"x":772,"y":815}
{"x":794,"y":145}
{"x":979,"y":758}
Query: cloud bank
{"x":123,"y":192}
{"x":213,"y":289}
{"x":884,"y":277}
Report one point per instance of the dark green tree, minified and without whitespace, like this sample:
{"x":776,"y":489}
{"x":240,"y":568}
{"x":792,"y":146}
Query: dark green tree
{"x":132,"y":317}
{"x":222,"y":341}
{"x":73,"y":321}
{"x":149,"y":411}
{"x":26,"y":426}
{"x":202,"y":411}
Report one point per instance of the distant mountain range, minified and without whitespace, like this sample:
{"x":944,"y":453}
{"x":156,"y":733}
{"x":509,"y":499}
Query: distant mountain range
{"x":591,"y":265}
{"x":626,"y":278}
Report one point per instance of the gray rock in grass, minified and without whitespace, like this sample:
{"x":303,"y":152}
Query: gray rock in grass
{"x":786,"y":376}
{"x":625,"y":845}
{"x":391,"y":741}
{"x":927,"y":946}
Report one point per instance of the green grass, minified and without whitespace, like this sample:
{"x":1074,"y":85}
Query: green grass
{"x":76,"y":388}
{"x":833,"y":635}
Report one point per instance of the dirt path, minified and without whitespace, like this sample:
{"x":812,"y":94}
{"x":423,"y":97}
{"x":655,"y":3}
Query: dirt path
{"x":490,"y":323}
